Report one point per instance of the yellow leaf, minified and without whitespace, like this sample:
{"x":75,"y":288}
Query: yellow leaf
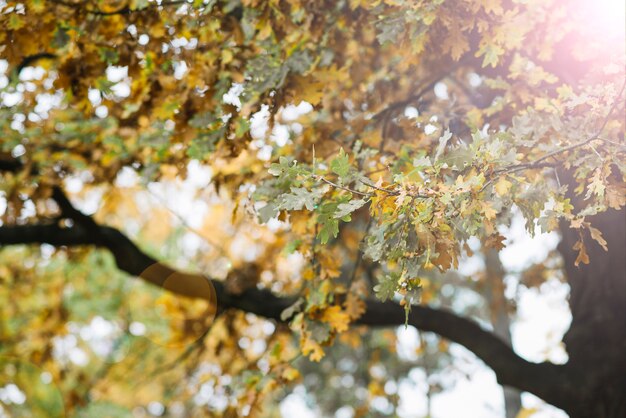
{"x":582,"y":253}
{"x":336,"y":318}
{"x":312,"y":349}
{"x":325,"y":288}
{"x":265,"y":31}
{"x":526,"y":413}
{"x":455,"y":43}
{"x":308,"y":274}
{"x":490,"y":54}
{"x":474,"y":117}
{"x":492,"y":6}
{"x":290,"y":374}
{"x":596,"y":234}
{"x":425,"y":238}
{"x":488,"y":211}
{"x":375,"y":388}
{"x":37,"y":6}
{"x":227,"y":56}
{"x":565,"y":91}
{"x":331,"y":267}
{"x":577,"y":223}
{"x":15,"y":22}
{"x":355,"y":307}
{"x":308,"y":89}
{"x":503,"y":186}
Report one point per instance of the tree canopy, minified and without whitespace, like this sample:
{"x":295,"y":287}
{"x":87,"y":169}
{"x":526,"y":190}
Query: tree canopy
{"x":342,"y":159}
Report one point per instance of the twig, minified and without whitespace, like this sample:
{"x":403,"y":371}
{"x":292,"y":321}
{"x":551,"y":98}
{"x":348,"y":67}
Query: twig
{"x":335,"y":185}
{"x":416,"y":96}
{"x":359,"y":255}
{"x":608,"y":141}
{"x":373,"y":186}
{"x":198,"y":344}
{"x":185,"y":224}
{"x":539,"y":162}
{"x":588,"y":140}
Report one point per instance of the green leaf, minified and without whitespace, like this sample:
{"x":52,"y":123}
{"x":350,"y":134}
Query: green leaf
{"x":203,"y":120}
{"x":386,"y":287}
{"x":341,"y":164}
{"x":443,"y":141}
{"x":422,"y":162}
{"x":241,"y":127}
{"x":286,"y":167}
{"x":330,"y":227}
{"x":60,"y":37}
{"x":390,"y":28}
{"x":103,"y":409}
{"x":292,"y":246}
{"x":320,"y":331}
{"x":15,"y":22}
{"x":345,"y":209}
{"x":326,"y":219}
{"x":300,"y":198}
{"x":292,"y":309}
{"x":268,"y":212}
{"x":104,"y":85}
{"x":204,"y":144}
{"x":109,"y":55}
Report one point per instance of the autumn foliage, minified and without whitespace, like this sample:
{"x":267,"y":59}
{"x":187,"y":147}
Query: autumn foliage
{"x":296,"y":177}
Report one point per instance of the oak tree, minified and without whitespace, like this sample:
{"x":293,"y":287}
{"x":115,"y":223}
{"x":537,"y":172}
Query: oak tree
{"x":341,"y":157}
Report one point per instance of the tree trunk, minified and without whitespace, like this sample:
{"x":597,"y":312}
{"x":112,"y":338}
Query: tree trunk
{"x":596,"y":339}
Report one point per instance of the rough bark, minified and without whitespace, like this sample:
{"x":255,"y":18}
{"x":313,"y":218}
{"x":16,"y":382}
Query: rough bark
{"x":596,"y":339}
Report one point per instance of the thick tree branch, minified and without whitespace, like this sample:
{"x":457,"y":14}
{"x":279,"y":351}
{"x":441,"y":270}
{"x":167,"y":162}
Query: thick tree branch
{"x":545,"y":380}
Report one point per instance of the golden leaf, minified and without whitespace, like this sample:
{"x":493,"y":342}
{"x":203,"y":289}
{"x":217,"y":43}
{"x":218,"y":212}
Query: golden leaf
{"x":615,"y":196}
{"x":455,"y":43}
{"x":526,"y":413}
{"x":312,"y":349}
{"x":308,"y":89}
{"x":495,"y":241}
{"x":596,"y":234}
{"x":488,"y":211}
{"x":355,"y":307}
{"x":336,"y":318}
{"x":290,"y":374}
{"x":503,"y":186}
{"x":583,"y":257}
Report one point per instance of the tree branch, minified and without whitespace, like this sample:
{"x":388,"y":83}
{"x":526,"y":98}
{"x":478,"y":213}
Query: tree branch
{"x":544,"y":380}
{"x":539,"y":162}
